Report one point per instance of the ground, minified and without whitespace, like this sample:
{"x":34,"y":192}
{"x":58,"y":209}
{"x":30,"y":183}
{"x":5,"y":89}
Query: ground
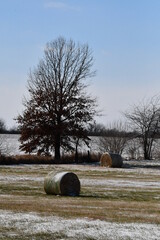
{"x":114,"y":203}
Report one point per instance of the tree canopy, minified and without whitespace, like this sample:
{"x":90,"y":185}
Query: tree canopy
{"x":58,"y":107}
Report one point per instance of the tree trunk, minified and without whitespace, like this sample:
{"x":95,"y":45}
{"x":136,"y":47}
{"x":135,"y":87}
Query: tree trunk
{"x":57,"y":148}
{"x":76,"y":154}
{"x":146,"y":157}
{"x":89,"y":157}
{"x":147,"y":153}
{"x":145,"y":147}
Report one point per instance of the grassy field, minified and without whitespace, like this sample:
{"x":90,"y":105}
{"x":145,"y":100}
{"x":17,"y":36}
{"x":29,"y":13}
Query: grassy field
{"x":113,"y":204}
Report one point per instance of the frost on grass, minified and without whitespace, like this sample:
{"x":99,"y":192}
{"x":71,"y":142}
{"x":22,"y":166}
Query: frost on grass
{"x":14,"y":178}
{"x":121,"y":183}
{"x":32,"y":224}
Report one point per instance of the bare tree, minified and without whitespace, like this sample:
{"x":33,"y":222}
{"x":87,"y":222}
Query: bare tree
{"x":2,"y":130}
{"x":116,"y":138}
{"x":133,"y":149}
{"x":59,"y":106}
{"x":156,"y":149}
{"x":145,"y":120}
{"x":2,"y":126}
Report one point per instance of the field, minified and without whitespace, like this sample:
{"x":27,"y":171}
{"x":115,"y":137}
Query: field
{"x":113,"y":204}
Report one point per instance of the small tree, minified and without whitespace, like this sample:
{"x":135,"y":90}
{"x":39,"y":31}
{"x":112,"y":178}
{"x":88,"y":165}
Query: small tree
{"x":58,"y":107}
{"x":133,"y":149}
{"x":145,"y":120}
{"x":115,"y":139}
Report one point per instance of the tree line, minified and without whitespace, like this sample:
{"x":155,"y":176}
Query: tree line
{"x":5,"y":130}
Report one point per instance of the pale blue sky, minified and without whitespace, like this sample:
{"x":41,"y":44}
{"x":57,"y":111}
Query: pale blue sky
{"x":123,"y":34}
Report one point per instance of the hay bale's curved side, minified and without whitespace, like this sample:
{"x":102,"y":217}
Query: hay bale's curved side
{"x":111,"y":160}
{"x":52,"y":183}
{"x":117,"y":160}
{"x":105,"y":160}
{"x":63,"y":183}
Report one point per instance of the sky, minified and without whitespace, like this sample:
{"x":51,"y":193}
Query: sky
{"x":124,"y":36}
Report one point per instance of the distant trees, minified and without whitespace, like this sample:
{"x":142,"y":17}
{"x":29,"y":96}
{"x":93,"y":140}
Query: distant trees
{"x":144,"y":119}
{"x":4,"y":129}
{"x":1,"y":146}
{"x":13,"y":130}
{"x":59,"y":107}
{"x":96,"y":129}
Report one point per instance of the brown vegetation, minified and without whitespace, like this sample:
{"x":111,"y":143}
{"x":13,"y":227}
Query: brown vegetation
{"x":35,"y":159}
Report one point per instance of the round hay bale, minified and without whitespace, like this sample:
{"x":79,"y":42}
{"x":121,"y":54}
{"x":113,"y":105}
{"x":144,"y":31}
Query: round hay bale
{"x":105,"y":160}
{"x":111,"y":160}
{"x":63,"y":183}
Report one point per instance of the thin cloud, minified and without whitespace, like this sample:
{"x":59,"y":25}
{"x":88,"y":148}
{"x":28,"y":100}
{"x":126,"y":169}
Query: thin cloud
{"x":60,"y":6}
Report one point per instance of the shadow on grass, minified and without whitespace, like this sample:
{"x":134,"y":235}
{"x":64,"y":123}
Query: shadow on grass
{"x":149,"y":166}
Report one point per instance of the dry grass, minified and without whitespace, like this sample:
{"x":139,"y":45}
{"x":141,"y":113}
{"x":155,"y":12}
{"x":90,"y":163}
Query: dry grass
{"x":23,"y":190}
{"x":90,"y":207}
{"x":35,"y":159}
{"x":129,"y":194}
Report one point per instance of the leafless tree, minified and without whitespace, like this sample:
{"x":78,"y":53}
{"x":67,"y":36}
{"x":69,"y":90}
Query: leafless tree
{"x":59,"y":106}
{"x":133,"y":149}
{"x":156,"y":150}
{"x":2,"y":126}
{"x":116,"y":138}
{"x":2,"y":130}
{"x":145,"y":120}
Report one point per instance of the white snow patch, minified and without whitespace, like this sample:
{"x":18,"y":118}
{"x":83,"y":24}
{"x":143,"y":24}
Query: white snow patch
{"x":121,"y":183}
{"x":107,"y":183}
{"x":30,"y":223}
{"x":14,"y":178}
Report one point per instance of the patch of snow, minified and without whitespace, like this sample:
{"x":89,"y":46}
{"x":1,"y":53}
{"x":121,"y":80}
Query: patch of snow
{"x":107,"y":183}
{"x":14,"y":178}
{"x":121,"y":183}
{"x":30,"y":223}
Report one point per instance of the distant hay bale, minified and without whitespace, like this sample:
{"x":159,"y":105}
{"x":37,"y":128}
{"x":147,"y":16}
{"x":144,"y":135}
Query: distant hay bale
{"x":111,"y":160}
{"x":105,"y":160}
{"x":63,"y":183}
